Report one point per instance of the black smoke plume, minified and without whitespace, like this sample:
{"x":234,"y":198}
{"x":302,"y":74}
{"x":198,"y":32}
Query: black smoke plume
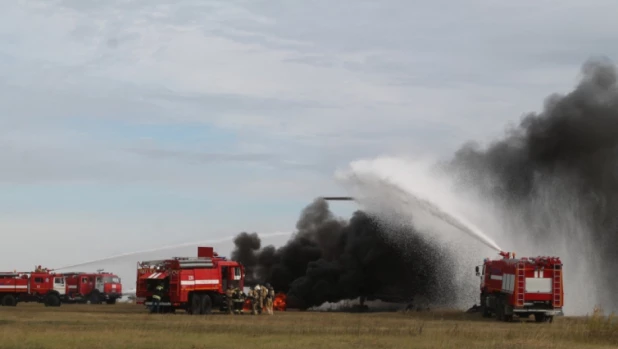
{"x":573,"y":142}
{"x":330,"y":259}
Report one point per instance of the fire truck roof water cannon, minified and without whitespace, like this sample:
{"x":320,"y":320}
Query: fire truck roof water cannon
{"x":194,"y":284}
{"x":521,"y":286}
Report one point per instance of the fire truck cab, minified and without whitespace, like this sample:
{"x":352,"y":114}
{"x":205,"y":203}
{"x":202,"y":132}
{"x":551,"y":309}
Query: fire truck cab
{"x":522,"y":287}
{"x":195,"y":284}
{"x":40,"y":286}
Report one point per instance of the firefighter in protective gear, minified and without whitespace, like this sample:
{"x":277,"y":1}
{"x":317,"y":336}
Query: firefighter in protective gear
{"x":264,"y":297}
{"x":259,"y":290}
{"x":254,"y":295}
{"x":250,"y":298}
{"x":270,"y":298}
{"x":156,"y":298}
{"x":259,"y":298}
{"x":239,"y":300}
{"x":229,"y":297}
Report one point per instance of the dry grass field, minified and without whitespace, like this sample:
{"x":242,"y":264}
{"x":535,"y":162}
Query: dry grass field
{"x":129,"y":326}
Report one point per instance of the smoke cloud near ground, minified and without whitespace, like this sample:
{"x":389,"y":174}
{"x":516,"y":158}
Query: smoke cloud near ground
{"x":330,"y":259}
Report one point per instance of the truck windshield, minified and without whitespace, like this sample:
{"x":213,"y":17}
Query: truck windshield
{"x":111,"y":279}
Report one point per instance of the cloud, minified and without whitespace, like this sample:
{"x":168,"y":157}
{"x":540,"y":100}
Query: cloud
{"x":202,"y":157}
{"x":351,"y":78}
{"x":257,"y":85}
{"x":268,"y":160}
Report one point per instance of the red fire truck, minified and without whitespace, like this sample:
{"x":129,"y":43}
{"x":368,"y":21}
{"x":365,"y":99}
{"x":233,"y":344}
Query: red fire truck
{"x":39,"y":286}
{"x":93,"y":288}
{"x":521,"y":287}
{"x":195,"y":284}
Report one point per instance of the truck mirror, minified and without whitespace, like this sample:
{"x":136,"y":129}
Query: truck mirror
{"x":477,"y":270}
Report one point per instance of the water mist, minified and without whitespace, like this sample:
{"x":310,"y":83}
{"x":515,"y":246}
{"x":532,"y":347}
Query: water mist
{"x":403,"y":191}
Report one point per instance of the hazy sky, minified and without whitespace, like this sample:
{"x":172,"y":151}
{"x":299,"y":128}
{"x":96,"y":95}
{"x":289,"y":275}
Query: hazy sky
{"x":128,"y":125}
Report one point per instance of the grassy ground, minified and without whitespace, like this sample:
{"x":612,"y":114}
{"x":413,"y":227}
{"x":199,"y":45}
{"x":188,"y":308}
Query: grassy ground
{"x":129,"y":326}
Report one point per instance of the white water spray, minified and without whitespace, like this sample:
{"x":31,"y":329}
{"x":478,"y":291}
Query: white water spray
{"x":373,"y":187}
{"x":188,"y":244}
{"x":402,"y":193}
{"x":553,"y":222}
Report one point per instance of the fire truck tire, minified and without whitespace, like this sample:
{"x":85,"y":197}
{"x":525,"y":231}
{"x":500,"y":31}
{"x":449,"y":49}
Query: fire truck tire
{"x":94,"y":298}
{"x":540,"y":317}
{"x":206,"y":305}
{"x":111,"y":301}
{"x":52,"y":300}
{"x":196,"y":304}
{"x":9,"y":300}
{"x":499,"y":310}
{"x":485,"y":310}
{"x":508,"y":317}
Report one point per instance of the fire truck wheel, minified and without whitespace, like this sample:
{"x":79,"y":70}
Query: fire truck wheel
{"x":485,"y":311}
{"x":539,"y":317}
{"x":499,"y":310}
{"x":196,"y":304}
{"x":52,"y":300}
{"x":508,"y":318}
{"x":94,"y":298}
{"x":206,"y":304}
{"x":9,"y":300}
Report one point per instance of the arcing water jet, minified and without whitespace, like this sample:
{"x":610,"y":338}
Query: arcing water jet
{"x":390,"y":201}
{"x":206,"y":242}
{"x":435,"y":211}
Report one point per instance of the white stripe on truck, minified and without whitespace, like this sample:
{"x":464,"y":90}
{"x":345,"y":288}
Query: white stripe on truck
{"x":199,"y":282}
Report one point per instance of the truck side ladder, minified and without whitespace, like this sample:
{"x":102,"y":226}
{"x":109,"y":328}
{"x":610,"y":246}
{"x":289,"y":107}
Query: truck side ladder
{"x":174,"y":285}
{"x":521,"y":284}
{"x":557,"y":287}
